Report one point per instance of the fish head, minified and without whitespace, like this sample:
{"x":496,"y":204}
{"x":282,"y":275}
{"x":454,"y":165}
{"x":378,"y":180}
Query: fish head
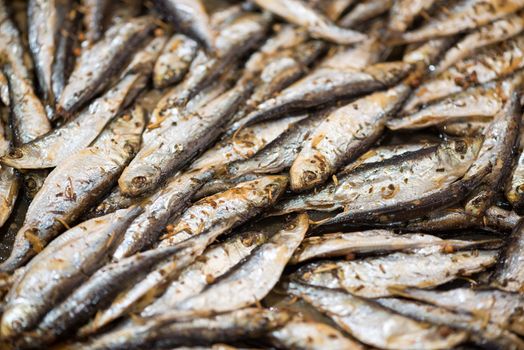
{"x":15,"y":320}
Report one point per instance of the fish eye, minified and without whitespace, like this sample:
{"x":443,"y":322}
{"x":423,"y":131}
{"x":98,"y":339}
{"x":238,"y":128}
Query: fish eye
{"x":16,"y":153}
{"x":139,"y":181}
{"x":461,"y":147}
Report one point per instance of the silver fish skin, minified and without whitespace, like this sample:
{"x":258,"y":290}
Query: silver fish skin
{"x":498,"y":307}
{"x":215,"y":261}
{"x":94,"y":70}
{"x":161,"y":331}
{"x":252,"y":279}
{"x":490,"y":34}
{"x":41,"y":287}
{"x":372,"y":241}
{"x":328,"y":84}
{"x":403,"y":12}
{"x":190,"y":17}
{"x":174,"y":197}
{"x":480,"y":332}
{"x":464,"y":15}
{"x":113,"y":201}
{"x":332,"y":9}
{"x":475,"y":103}
{"x":233,"y":40}
{"x":231,"y":207}
{"x":174,"y":61}
{"x":509,"y":275}
{"x":343,"y":135}
{"x":305,"y":335}
{"x":76,"y":184}
{"x":380,"y":186}
{"x":29,"y":119}
{"x":94,"y":13}
{"x":374,"y":277}
{"x":318,"y":25}
{"x":490,"y":63}
{"x":9,"y":186}
{"x":515,"y":186}
{"x":246,"y":143}
{"x":48,"y":150}
{"x":363,"y":11}
{"x":473,"y":128}
{"x":373,"y":324}
{"x":497,"y":153}
{"x":43,"y":30}
{"x":4,"y":89}
{"x":180,"y":142}
{"x":502,"y":220}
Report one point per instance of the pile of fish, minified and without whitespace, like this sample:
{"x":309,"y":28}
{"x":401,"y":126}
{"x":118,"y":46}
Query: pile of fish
{"x":287,"y":174}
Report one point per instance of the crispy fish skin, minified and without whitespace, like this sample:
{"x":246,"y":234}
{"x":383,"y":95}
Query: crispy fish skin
{"x":465,"y":15}
{"x":94,"y":12}
{"x":328,"y":84}
{"x":490,"y":63}
{"x":190,"y":17}
{"x":374,"y":277}
{"x":231,"y":207}
{"x":480,"y":332}
{"x":501,"y":308}
{"x":311,"y":336}
{"x":174,"y":197}
{"x":515,"y":188}
{"x":98,"y":64}
{"x":76,"y":184}
{"x":161,"y":331}
{"x":344,"y":135}
{"x":385,"y":185}
{"x":372,"y":241}
{"x":178,"y":143}
{"x":48,"y":150}
{"x":365,"y":10}
{"x":42,"y":286}
{"x":477,"y":102}
{"x":509,"y":275}
{"x":29,"y":118}
{"x":489,"y":34}
{"x":374,"y":325}
{"x":174,"y":61}
{"x":403,"y":12}
{"x":251,"y":280}
{"x":215,"y":261}
{"x":9,"y":186}
{"x":320,"y":27}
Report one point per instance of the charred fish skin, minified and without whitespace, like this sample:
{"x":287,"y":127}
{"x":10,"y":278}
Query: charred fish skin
{"x":343,"y":135}
{"x":35,"y":293}
{"x":509,"y":275}
{"x":318,"y":26}
{"x":94,"y":70}
{"x":174,"y":61}
{"x":78,"y":182}
{"x":354,"y":315}
{"x":94,"y":13}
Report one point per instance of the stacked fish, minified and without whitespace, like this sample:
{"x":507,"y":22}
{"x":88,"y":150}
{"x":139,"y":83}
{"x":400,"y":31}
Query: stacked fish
{"x":269,"y":173}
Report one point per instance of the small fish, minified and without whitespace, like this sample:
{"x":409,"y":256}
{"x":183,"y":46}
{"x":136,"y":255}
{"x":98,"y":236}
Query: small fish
{"x":76,"y":184}
{"x":474,"y":127}
{"x":332,"y":9}
{"x":173,"y":147}
{"x":363,"y":11}
{"x":48,"y":150}
{"x":190,"y":17}
{"x":113,"y":201}
{"x":311,"y":336}
{"x":62,"y":267}
{"x":328,"y":84}
{"x":244,"y":324}
{"x":464,"y":15}
{"x":490,"y":34}
{"x":159,"y":207}
{"x":94,"y":14}
{"x":258,"y":273}
{"x":318,"y":26}
{"x":403,"y":12}
{"x":515,"y":188}
{"x":509,"y":275}
{"x":375,"y":325}
{"x":174,"y":61}
{"x":98,"y":64}
{"x":343,"y":135}
{"x":480,"y":332}
{"x":373,"y":277}
{"x":490,"y":63}
{"x":501,"y":308}
{"x":9,"y":186}
{"x":372,"y":241}
{"x":232,"y":208}
{"x":4,"y":89}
